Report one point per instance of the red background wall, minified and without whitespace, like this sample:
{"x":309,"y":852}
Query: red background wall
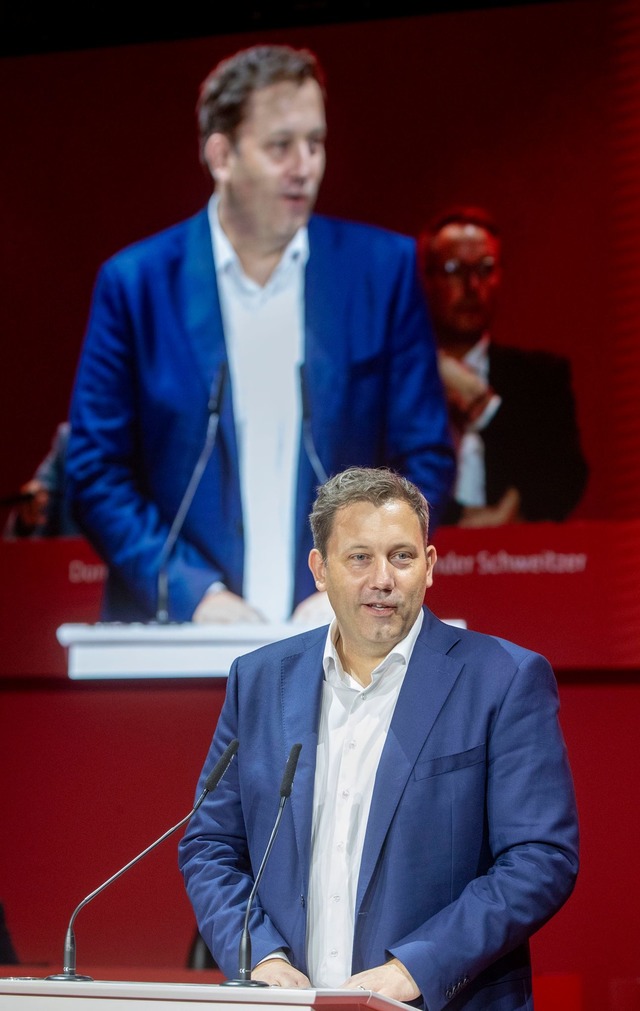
{"x":512,"y":107}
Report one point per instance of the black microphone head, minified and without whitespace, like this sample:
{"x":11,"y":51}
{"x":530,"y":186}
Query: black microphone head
{"x":221,"y":766}
{"x":290,"y":770}
{"x":217,"y":389}
{"x":304,"y":395}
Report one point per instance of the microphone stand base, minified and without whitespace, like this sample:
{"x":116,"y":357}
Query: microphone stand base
{"x":243,"y":982}
{"x":68,"y":976}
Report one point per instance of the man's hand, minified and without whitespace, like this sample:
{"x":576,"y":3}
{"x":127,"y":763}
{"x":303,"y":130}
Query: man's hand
{"x":507,"y":510}
{"x":32,"y":514}
{"x":313,"y":611}
{"x":391,"y":980}
{"x":462,"y":385}
{"x":279,"y":972}
{"x":225,"y":608}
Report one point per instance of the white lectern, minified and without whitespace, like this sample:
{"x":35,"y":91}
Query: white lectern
{"x":48,"y":995}
{"x":162,"y":651}
{"x":166,"y":651}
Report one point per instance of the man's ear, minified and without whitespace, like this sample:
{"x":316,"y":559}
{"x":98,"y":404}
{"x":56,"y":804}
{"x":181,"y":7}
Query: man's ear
{"x":317,"y":566}
{"x":432,"y":558}
{"x":217,"y":150}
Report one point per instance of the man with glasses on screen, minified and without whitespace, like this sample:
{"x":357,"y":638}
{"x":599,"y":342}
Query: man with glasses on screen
{"x":512,"y":409}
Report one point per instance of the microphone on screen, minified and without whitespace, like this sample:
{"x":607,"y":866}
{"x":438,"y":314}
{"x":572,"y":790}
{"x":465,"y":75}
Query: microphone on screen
{"x":307,"y":433}
{"x":214,"y":407}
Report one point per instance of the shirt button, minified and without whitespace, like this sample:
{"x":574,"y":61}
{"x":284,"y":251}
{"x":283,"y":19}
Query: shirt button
{"x":335,"y":898}
{"x":340,"y":847}
{"x":333,"y":952}
{"x":345,"y":794}
{"x":352,"y":745}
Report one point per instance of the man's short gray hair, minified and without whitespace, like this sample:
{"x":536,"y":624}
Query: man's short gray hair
{"x":376,"y":485}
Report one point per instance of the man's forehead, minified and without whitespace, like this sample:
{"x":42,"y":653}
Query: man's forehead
{"x":283,"y":98}
{"x":465,"y":237}
{"x":361,"y":518}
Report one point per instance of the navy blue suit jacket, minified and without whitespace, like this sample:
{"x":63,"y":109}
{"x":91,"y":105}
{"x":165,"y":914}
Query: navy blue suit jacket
{"x":153,"y":346}
{"x":472,"y":839}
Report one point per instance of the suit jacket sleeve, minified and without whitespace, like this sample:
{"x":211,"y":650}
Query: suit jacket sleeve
{"x":375,"y":393}
{"x":126,"y":466}
{"x":418,"y":441}
{"x":532,"y":842}
{"x":225,"y":842}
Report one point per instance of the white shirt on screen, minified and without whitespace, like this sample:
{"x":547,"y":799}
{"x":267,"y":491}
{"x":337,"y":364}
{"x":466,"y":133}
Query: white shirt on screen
{"x":470,"y":488}
{"x":264,"y":335}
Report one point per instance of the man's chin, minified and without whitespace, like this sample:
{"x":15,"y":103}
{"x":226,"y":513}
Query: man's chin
{"x":385,"y":624}
{"x":461,"y":338}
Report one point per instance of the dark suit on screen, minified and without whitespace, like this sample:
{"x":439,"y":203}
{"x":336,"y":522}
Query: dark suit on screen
{"x":153,"y":347}
{"x":533,"y":442}
{"x":472,"y":838}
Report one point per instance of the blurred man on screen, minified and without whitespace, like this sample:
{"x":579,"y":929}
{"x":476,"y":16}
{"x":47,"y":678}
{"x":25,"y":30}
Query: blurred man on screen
{"x":258,"y":285}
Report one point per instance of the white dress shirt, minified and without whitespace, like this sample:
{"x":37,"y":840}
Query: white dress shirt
{"x":354,"y":722}
{"x":264,"y":335}
{"x":470,"y":488}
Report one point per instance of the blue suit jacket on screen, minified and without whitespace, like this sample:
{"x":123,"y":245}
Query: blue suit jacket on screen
{"x":472,"y":839}
{"x":153,"y":348}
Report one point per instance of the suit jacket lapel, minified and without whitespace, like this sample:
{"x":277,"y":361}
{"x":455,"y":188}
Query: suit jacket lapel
{"x":326,"y":355}
{"x":326,"y":348}
{"x":301,"y":682}
{"x":203,"y":320}
{"x":430,"y":676}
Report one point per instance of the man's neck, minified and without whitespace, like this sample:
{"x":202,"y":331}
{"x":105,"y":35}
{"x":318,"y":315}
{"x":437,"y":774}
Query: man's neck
{"x":358,"y":667}
{"x":258,"y":266}
{"x":258,"y":260}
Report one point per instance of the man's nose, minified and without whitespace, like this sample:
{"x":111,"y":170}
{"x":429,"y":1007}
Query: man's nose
{"x":382,"y":574}
{"x":471,"y":280}
{"x":301,"y":161}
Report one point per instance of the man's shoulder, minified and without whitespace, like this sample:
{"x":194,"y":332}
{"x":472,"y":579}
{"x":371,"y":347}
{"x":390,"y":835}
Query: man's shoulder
{"x":508,"y":355}
{"x":356,"y":234}
{"x":527,"y":373}
{"x":475,"y":649}
{"x":165,"y":242}
{"x":274,"y":652}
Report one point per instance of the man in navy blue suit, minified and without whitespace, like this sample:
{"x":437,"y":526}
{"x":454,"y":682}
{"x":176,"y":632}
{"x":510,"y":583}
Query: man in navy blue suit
{"x":432,"y":826}
{"x":257,"y":286}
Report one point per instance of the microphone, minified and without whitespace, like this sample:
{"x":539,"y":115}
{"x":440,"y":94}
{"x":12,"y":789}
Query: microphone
{"x":307,"y":434}
{"x":244,"y":953}
{"x":211,"y":782}
{"x":213,"y":406}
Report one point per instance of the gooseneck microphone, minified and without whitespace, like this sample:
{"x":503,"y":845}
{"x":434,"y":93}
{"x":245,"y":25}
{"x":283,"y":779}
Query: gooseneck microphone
{"x":307,"y":434}
{"x":244,"y":953}
{"x":212,"y":780}
{"x":214,"y":405}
